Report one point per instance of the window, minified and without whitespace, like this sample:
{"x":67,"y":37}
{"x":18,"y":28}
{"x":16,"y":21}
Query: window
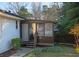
{"x":0,"y":25}
{"x":16,"y":24}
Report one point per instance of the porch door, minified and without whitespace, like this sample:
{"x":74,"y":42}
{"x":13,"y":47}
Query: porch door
{"x":25,"y":36}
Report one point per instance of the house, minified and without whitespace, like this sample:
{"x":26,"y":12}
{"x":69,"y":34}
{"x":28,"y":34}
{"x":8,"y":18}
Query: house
{"x":35,"y":32}
{"x":9,"y":29}
{"x":39,"y":32}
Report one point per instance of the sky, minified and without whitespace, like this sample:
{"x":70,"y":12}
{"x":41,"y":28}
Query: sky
{"x":4,"y":5}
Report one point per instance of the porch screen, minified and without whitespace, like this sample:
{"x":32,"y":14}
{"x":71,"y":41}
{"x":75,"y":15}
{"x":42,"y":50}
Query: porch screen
{"x":48,"y":29}
{"x":40,"y":29}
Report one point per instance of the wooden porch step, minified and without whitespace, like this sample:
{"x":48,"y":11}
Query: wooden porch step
{"x":30,"y":42}
{"x":48,"y":44}
{"x":30,"y":46}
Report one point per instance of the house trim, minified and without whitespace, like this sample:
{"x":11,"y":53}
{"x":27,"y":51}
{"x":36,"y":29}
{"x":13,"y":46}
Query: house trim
{"x":3,"y":14}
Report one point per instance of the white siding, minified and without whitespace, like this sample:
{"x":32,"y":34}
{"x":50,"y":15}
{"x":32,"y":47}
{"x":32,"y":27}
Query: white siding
{"x":9,"y":32}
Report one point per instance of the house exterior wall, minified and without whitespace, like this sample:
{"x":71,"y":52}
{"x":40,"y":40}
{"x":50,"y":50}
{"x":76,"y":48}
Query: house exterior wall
{"x":8,"y":31}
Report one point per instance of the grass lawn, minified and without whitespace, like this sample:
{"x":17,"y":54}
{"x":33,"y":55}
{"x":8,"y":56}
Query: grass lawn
{"x":55,"y":51}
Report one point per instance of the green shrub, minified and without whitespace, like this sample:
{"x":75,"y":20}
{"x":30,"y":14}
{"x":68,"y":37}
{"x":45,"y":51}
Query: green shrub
{"x":16,"y":42}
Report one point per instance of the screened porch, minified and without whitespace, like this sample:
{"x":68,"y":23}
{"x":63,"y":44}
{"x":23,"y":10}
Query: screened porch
{"x":38,"y":31}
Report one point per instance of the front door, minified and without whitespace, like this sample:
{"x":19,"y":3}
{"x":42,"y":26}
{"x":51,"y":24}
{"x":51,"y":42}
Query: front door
{"x":25,"y":36}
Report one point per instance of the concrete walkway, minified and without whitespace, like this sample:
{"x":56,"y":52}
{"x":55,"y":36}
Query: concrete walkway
{"x":22,"y":52}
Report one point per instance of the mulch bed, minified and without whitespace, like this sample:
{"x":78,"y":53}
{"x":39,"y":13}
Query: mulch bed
{"x":8,"y":53}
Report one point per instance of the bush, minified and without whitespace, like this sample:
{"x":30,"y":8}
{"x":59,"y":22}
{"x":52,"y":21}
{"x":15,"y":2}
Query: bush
{"x":63,"y":38}
{"x":16,"y":42}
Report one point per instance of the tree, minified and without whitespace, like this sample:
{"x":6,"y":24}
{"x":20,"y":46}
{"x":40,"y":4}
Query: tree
{"x":70,"y":16}
{"x":15,"y":6}
{"x":45,"y":12}
{"x":75,"y":32}
{"x":19,"y":8}
{"x":36,"y":10}
{"x":24,"y":12}
{"x":52,"y":12}
{"x":69,"y":20}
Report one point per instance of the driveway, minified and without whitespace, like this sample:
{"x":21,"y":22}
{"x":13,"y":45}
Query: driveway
{"x":21,"y":52}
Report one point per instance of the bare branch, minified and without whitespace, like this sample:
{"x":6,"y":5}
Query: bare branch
{"x":15,"y":6}
{"x":36,"y":9}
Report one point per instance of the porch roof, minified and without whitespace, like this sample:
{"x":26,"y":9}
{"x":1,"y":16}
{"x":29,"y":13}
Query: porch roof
{"x":37,"y":21}
{"x":6,"y":14}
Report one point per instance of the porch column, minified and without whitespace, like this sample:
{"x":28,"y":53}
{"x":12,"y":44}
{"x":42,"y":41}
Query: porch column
{"x":53,"y":32}
{"x":34,"y":26}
